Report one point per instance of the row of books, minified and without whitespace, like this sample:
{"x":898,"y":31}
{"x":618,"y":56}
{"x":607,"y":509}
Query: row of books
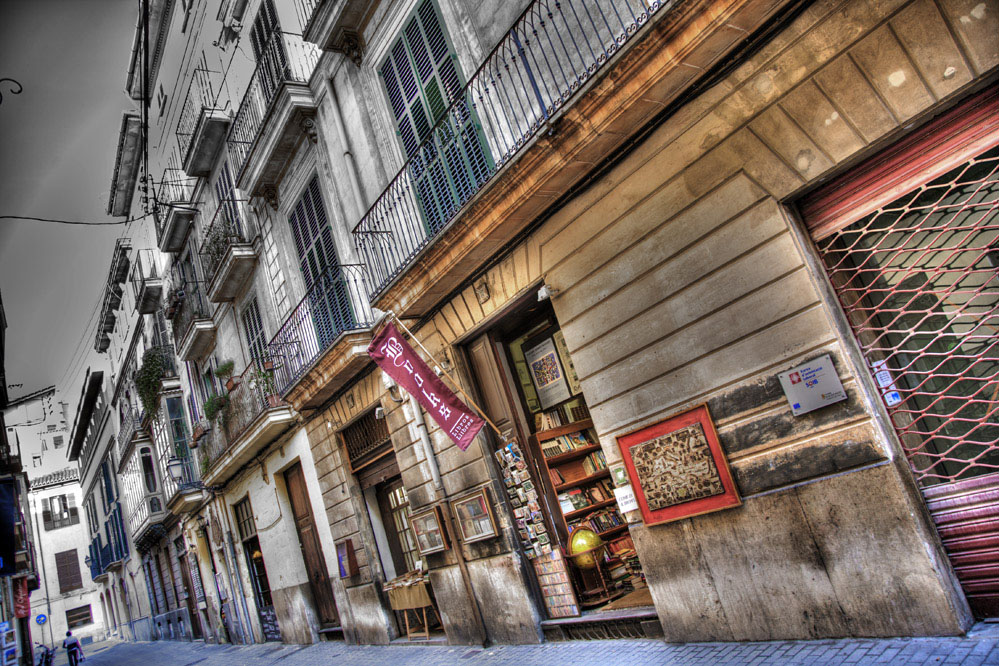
{"x":564,"y":444}
{"x":560,"y":416}
{"x":580,"y":498}
{"x":600,"y":521}
{"x":594,"y":462}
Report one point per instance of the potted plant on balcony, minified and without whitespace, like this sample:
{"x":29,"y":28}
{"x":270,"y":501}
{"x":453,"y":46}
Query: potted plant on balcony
{"x":147,"y":380}
{"x":224,"y":371}
{"x":262,"y":378}
{"x":201,"y":429}
{"x":215,"y":408}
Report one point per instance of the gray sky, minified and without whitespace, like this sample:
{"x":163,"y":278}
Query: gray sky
{"x":57,"y":147}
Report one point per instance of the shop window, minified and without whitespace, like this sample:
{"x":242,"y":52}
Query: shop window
{"x":78,"y":617}
{"x":68,"y":570}
{"x":59,"y":511}
{"x":394,"y":508}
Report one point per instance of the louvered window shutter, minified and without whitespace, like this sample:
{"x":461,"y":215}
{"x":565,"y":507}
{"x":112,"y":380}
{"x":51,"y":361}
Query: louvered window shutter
{"x":68,"y":570}
{"x":332,"y":312}
{"x":268,"y":50}
{"x":253,"y":328}
{"x":46,"y":515}
{"x":422,"y":81}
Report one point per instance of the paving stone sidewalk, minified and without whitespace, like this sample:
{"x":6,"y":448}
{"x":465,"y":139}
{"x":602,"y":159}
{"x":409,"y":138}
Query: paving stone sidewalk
{"x":979,"y":647}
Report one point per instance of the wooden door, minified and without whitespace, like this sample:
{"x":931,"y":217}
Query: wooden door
{"x":192,"y":606}
{"x":312,"y":552}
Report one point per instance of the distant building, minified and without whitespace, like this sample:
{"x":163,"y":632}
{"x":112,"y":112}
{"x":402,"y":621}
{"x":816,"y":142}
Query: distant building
{"x":67,"y":597}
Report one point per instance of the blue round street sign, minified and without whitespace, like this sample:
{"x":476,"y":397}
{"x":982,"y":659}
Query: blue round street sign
{"x":40,"y":618}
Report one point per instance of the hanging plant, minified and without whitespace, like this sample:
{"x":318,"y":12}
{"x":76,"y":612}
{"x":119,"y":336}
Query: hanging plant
{"x":224,"y":371}
{"x":215,"y":408}
{"x":147,"y":380}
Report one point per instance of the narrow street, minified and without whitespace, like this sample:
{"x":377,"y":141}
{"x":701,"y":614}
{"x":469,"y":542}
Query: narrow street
{"x":980,"y":647}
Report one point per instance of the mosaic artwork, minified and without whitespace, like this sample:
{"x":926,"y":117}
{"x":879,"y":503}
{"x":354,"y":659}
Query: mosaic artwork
{"x":676,"y":467}
{"x":546,"y":369}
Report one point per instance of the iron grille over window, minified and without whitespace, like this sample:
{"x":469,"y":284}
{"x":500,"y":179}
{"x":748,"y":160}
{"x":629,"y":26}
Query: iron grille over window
{"x":364,"y":438}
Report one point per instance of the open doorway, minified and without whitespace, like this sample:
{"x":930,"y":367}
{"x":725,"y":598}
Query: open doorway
{"x":558,"y":486}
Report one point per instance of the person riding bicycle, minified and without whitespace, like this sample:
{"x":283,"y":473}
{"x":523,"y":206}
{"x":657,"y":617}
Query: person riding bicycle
{"x":73,"y":648}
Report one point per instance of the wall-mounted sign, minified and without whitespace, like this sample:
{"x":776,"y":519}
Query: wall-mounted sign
{"x":812,"y":385}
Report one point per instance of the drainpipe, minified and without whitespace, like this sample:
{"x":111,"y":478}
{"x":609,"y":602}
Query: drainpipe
{"x":41,"y":559}
{"x":348,"y":156}
{"x":428,"y":449}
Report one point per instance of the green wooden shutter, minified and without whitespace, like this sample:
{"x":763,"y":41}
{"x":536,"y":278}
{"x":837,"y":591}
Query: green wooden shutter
{"x":422,"y":80}
{"x":332,"y":312}
{"x":253,"y":328}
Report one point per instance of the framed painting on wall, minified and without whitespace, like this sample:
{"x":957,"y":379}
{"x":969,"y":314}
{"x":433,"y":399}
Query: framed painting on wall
{"x":545,"y":368}
{"x":428,"y":527}
{"x":677,"y":468}
{"x":474,"y":515}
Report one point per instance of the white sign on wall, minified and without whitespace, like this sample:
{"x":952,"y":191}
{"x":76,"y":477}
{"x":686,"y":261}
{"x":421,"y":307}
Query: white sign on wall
{"x":626,"y":500}
{"x":812,"y":385}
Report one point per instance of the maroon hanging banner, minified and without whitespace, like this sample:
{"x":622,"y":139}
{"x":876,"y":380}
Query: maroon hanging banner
{"x":22,"y":602}
{"x":392,"y":353}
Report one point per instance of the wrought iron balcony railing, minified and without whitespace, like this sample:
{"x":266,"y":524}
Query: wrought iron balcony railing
{"x":200,"y":97}
{"x":306,"y":10}
{"x":544,"y":59}
{"x":192,"y":306}
{"x":176,"y":186}
{"x":254,"y":393}
{"x":226,"y":229}
{"x":131,"y":423}
{"x":336,"y":303}
{"x":284,"y":59}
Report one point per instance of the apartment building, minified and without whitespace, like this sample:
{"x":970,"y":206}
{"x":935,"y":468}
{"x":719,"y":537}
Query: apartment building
{"x":66,"y":599}
{"x":609,"y":225}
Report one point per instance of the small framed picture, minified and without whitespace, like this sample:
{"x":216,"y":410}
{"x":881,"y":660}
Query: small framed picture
{"x":428,"y":528}
{"x":474,"y":515}
{"x":543,"y":538}
{"x":528,"y":485}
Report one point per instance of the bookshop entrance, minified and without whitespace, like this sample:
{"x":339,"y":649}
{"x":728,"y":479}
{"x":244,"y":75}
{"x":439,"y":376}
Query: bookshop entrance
{"x":558,"y":486}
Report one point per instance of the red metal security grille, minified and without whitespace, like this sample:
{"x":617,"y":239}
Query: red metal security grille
{"x":918,"y":281}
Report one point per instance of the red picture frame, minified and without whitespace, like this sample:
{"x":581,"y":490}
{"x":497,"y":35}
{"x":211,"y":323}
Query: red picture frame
{"x":728,"y":498}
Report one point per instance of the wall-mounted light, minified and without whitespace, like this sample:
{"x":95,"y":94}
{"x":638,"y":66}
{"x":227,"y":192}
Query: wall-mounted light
{"x":546,"y":292}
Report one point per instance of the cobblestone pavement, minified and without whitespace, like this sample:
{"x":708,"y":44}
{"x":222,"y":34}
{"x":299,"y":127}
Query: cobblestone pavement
{"x":979,"y":647}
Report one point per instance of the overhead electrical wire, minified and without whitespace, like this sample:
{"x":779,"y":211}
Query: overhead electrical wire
{"x":75,"y":222}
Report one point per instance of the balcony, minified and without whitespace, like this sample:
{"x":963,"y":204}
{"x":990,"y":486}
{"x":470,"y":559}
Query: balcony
{"x":176,"y":191}
{"x":253,"y":418}
{"x":134,"y":428}
{"x":202,"y":126}
{"x":193,"y":326}
{"x":227,"y":253}
{"x":336,"y":26}
{"x":557,"y":97}
{"x":324,"y":341}
{"x":276,"y":111}
{"x":147,"y":283}
{"x":173,"y":449}
{"x":146,"y":521}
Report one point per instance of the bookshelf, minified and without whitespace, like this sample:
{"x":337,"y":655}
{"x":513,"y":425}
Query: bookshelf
{"x":574,"y":463}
